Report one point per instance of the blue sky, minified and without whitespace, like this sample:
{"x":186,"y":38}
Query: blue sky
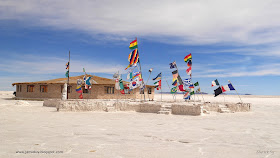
{"x":229,"y":40}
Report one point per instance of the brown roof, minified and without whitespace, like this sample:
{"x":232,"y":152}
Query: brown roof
{"x":73,"y":80}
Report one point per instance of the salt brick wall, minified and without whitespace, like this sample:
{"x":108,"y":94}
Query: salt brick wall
{"x":96,"y":92}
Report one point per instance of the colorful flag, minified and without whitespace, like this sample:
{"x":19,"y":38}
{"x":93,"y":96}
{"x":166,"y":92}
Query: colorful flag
{"x":158,"y":77}
{"x":174,"y":82}
{"x":181,"y":88}
{"x":133,"y":44}
{"x":121,"y":84}
{"x":180,"y":80}
{"x":192,"y":92}
{"x":189,"y":71}
{"x":228,"y":87}
{"x":196,"y":84}
{"x":215,"y":83}
{"x":174,"y":90}
{"x":175,"y":74}
{"x":158,"y":85}
{"x":198,"y":90}
{"x":218,"y":91}
{"x":133,"y":58}
{"x":122,"y":91}
{"x":191,"y":86}
{"x":151,"y":69}
{"x":189,"y":63}
{"x":67,"y":73}
{"x":87,"y":82}
{"x":79,"y":89}
{"x":67,"y":65}
{"x":187,"y":81}
{"x":187,"y":96}
{"x":129,"y":76}
{"x":173,"y":65}
{"x":81,"y":96}
{"x":84,"y":70}
{"x":188,"y":58}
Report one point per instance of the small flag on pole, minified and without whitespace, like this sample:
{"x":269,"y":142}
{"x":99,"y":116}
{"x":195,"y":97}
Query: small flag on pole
{"x":84,"y":70}
{"x":67,"y":65}
{"x":188,"y":58}
{"x":218,"y":91}
{"x":228,"y":87}
{"x":191,"y":86}
{"x":215,"y":83}
{"x":187,"y":81}
{"x":189,"y":71}
{"x":196,"y":84}
{"x":158,"y":77}
{"x":133,"y":44}
{"x":67,"y":73}
{"x":151,"y":69}
{"x":174,"y":90}
{"x":174,"y":82}
{"x":173,"y":65}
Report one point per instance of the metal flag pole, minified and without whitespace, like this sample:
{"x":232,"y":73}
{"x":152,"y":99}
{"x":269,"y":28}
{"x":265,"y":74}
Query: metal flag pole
{"x":68,"y":76}
{"x":236,"y":91}
{"x":147,"y":83}
{"x":169,"y":87}
{"x":201,"y":95}
{"x":140,"y":69}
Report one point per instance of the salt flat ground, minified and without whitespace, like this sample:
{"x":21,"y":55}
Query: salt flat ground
{"x":33,"y":127}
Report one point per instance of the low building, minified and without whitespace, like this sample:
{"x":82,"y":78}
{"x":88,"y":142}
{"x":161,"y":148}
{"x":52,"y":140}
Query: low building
{"x":102,"y":88}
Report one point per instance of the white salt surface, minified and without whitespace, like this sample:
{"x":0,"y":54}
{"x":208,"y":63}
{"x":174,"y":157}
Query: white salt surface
{"x":254,"y":134}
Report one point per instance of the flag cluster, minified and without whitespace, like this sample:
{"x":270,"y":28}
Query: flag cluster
{"x":79,"y":88}
{"x":188,"y":60}
{"x":221,"y":89}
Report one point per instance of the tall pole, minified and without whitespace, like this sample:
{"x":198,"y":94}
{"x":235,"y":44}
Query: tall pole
{"x":141,"y":71}
{"x":68,"y":76}
{"x":236,"y":91}
{"x":147,"y":83}
{"x":169,"y":88}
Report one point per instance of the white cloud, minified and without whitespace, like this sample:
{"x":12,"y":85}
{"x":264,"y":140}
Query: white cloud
{"x":186,"y":21}
{"x":32,"y":64}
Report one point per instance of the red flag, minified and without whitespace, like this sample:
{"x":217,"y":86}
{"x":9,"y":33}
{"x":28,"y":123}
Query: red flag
{"x":81,"y":96}
{"x":122,"y":91}
{"x":181,"y":88}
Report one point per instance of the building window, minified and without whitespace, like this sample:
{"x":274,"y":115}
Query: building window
{"x":141,"y":91}
{"x":43,"y":88}
{"x":109,"y":90}
{"x":30,"y":88}
{"x":69,"y":89}
{"x":85,"y":90}
{"x":18,"y":88}
{"x":149,"y":90}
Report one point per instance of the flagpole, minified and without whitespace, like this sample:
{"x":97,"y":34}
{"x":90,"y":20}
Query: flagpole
{"x":141,"y":70}
{"x":169,"y":88}
{"x":68,"y":75}
{"x":236,"y":91}
{"x":201,"y":95}
{"x":147,"y":82}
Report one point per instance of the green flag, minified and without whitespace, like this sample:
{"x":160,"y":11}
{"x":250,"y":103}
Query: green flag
{"x":192,"y":93}
{"x":67,"y":73}
{"x":121,"y":84}
{"x":173,"y":90}
{"x":196,"y":84}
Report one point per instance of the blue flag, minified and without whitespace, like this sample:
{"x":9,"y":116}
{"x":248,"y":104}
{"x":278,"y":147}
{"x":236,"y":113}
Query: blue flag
{"x":173,"y":65}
